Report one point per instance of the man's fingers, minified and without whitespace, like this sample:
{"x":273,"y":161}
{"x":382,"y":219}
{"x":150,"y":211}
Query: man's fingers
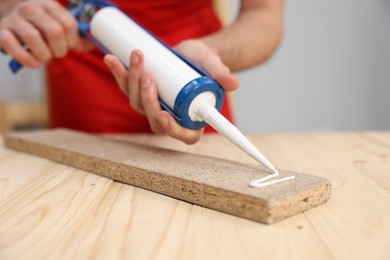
{"x":12,"y":46}
{"x":119,"y":72}
{"x":149,"y":98}
{"x":33,"y":39}
{"x":67,"y":21}
{"x":207,"y":59}
{"x":45,"y":27}
{"x":213,"y":64}
{"x":136,"y":70}
{"x":224,"y":77}
{"x":52,"y":31}
{"x":173,"y":129}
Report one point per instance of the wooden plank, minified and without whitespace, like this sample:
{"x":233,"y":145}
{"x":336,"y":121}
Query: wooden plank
{"x":22,"y":114}
{"x":4,"y":126}
{"x":210,"y":182}
{"x":52,"y":211}
{"x":355,"y":222}
{"x":382,"y":138}
{"x":26,"y":113}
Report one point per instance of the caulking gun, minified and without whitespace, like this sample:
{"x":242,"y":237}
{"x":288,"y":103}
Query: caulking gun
{"x":185,"y":90}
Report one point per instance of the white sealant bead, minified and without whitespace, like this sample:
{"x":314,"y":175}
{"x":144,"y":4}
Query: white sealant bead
{"x":268,"y":180}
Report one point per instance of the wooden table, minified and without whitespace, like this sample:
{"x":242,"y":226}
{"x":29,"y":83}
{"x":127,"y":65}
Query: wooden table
{"x":52,"y":211}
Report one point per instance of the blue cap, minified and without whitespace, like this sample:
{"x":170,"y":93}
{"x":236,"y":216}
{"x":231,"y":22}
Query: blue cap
{"x":187,"y":94}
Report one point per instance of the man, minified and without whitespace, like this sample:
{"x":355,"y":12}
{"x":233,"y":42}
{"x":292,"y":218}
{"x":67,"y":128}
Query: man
{"x":80,"y":89}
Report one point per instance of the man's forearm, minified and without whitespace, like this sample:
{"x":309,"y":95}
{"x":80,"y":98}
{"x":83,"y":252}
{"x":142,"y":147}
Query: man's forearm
{"x":253,"y":37}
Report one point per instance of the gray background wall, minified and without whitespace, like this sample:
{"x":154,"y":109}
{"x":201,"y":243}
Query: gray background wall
{"x":332,"y":71}
{"x":27,"y":85}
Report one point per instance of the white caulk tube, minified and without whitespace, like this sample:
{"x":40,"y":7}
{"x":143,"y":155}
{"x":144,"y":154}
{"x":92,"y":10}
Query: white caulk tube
{"x":121,"y":35}
{"x":178,"y":80}
{"x":184,"y":90}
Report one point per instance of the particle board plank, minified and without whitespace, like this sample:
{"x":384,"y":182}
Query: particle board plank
{"x":206,"y":181}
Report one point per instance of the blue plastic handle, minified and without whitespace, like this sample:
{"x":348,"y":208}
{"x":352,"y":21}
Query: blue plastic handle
{"x":13,"y":65}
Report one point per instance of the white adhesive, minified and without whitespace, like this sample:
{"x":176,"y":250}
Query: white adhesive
{"x":121,"y":35}
{"x":267,"y":180}
{"x":211,"y":115}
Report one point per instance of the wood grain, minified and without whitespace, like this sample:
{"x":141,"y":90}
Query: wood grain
{"x":52,"y":211}
{"x":4,"y":126}
{"x":206,"y":181}
{"x":22,"y":114}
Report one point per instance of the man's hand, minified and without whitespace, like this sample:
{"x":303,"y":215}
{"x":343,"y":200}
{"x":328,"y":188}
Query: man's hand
{"x":45,"y":27}
{"x":142,"y":90}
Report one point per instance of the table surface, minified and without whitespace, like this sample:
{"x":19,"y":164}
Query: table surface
{"x":53,"y":211}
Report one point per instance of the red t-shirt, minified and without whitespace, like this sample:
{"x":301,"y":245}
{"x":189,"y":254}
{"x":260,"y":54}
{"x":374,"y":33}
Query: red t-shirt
{"x":82,"y":92}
